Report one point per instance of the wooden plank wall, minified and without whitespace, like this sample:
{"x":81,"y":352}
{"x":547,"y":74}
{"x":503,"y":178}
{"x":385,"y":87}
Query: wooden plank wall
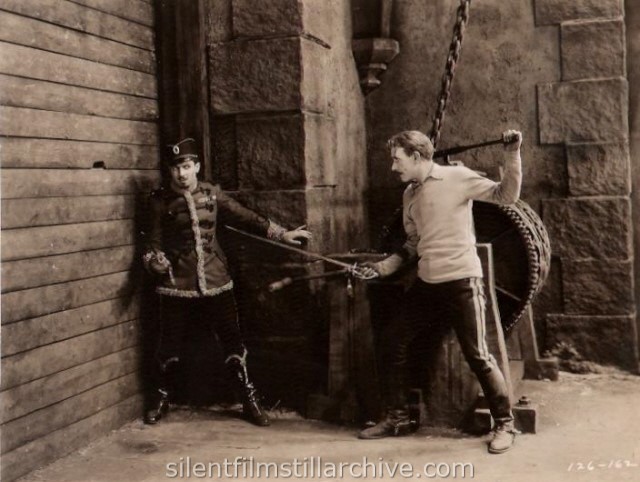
{"x":78,"y":90}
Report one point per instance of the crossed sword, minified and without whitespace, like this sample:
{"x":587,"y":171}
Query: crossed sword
{"x":351,"y":270}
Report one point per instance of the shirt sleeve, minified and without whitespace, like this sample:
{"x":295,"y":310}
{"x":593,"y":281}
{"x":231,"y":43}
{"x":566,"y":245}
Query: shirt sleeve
{"x":410,"y":247}
{"x":507,"y":191}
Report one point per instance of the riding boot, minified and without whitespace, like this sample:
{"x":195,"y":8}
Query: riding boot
{"x":251,"y":406}
{"x":162,"y":396}
{"x":399,"y":420}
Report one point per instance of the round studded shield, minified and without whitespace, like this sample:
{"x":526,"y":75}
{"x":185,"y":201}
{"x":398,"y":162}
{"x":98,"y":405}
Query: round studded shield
{"x":521,"y":254}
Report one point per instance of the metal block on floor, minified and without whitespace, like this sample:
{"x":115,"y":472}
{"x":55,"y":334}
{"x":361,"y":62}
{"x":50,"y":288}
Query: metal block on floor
{"x":525,"y":413}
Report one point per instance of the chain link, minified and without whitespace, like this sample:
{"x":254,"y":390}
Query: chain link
{"x":462,"y":18}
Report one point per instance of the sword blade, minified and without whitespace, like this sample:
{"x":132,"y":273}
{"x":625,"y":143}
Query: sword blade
{"x":290,"y":248}
{"x":459,"y":149}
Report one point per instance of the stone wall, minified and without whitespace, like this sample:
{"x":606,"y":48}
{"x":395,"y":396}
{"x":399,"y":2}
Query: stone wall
{"x":289,"y":141}
{"x":587,"y":111}
{"x":554,"y":69}
{"x":632,"y":28}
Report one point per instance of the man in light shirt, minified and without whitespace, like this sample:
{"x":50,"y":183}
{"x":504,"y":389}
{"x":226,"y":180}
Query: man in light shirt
{"x":438,"y":221}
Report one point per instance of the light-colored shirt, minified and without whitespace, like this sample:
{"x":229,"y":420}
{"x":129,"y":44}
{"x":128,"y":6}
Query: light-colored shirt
{"x":438,"y":218}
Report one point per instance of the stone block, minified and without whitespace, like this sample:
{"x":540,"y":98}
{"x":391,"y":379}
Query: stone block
{"x":321,"y":150}
{"x":323,"y":219}
{"x":550,"y":298}
{"x":589,"y":228}
{"x":288,"y":208}
{"x":550,"y":12}
{"x":583,"y":111}
{"x":224,"y":168}
{"x":602,"y":339}
{"x":271,"y":152}
{"x":297,"y":207}
{"x":592,"y":49}
{"x":268,"y":18}
{"x":598,"y":287}
{"x":218,"y":20}
{"x":599,"y":169}
{"x":279,"y":74}
{"x":285,"y":151}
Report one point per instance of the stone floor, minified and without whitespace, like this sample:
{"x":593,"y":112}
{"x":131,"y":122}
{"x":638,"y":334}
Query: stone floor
{"x":589,"y":430}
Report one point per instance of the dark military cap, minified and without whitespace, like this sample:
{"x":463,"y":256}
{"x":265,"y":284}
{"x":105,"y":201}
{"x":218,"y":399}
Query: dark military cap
{"x":184,"y":149}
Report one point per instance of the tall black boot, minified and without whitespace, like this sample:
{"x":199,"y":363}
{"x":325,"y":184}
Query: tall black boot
{"x":161,"y":402}
{"x":251,"y":406}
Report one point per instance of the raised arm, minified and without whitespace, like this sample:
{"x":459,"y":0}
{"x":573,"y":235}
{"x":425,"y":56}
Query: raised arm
{"x":507,"y":191}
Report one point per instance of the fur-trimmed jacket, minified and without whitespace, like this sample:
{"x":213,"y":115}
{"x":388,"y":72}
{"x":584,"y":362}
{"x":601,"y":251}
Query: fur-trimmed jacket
{"x":182,"y":230}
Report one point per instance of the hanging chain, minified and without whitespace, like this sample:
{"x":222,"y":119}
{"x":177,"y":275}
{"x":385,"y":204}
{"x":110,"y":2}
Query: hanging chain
{"x":462,"y":17}
{"x":452,"y":59}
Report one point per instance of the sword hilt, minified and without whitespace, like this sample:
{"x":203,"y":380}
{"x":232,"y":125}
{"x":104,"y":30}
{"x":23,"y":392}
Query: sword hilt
{"x":278,"y":285}
{"x":458,"y":149}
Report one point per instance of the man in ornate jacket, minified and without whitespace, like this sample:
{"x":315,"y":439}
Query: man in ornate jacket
{"x":183,"y":253}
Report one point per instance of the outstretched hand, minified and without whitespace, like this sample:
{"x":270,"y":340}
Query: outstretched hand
{"x":295,"y":235}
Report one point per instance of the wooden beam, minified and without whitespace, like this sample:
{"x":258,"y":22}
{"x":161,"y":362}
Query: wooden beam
{"x":192,"y":80}
{"x":28,"y":398}
{"x":61,"y":442}
{"x":25,"y":213}
{"x":47,"y":360}
{"x":24,"y":304}
{"x":70,"y":238}
{"x":43,"y":95}
{"x":133,"y":10}
{"x":59,"y":415}
{"x":20,"y":122}
{"x":44,"y":330}
{"x":38,"y":64}
{"x":182,"y":50}
{"x":18,"y":183}
{"x":32,"y":153}
{"x":31,"y":273}
{"x":71,"y":15}
{"x":30,"y":32}
{"x":167,"y":54}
